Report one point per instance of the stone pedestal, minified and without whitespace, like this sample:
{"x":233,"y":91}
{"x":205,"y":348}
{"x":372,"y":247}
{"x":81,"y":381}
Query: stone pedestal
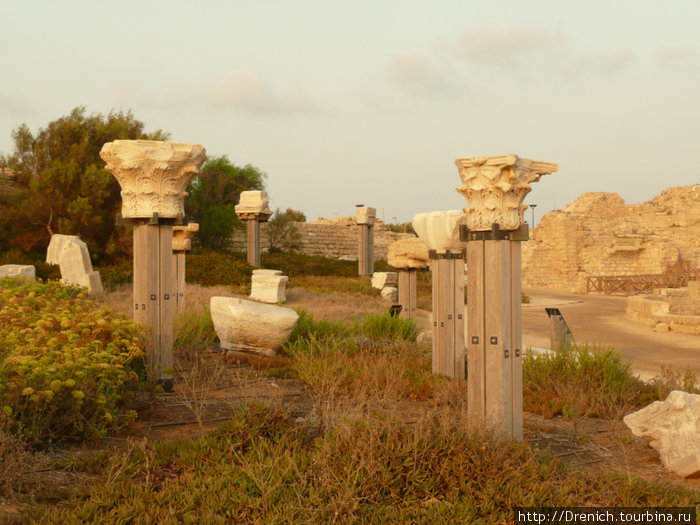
{"x":408,"y":256}
{"x":495,"y":188}
{"x":154,"y":176}
{"x":268,"y":286}
{"x":182,"y":243}
{"x":440,"y":232}
{"x":253,"y":209}
{"x":364,"y":218}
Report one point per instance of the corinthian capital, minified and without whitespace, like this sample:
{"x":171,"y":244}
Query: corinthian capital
{"x":182,"y":236}
{"x":495,"y":188}
{"x":153,"y":175}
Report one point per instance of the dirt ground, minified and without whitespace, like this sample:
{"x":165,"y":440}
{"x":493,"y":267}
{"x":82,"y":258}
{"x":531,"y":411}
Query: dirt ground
{"x":600,"y":320}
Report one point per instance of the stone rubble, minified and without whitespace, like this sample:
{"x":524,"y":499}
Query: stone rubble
{"x":249,"y":326}
{"x":72,"y":256}
{"x":20,"y":271}
{"x":673,"y":426}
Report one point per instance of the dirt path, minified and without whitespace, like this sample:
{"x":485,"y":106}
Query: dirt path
{"x":600,"y":320}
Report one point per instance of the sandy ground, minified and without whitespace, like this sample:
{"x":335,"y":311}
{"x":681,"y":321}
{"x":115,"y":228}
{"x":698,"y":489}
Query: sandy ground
{"x":600,"y":320}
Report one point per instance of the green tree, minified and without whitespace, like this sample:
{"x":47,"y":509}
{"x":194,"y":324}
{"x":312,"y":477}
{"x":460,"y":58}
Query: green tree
{"x":284,"y":235}
{"x":212,"y":196}
{"x":63,"y":184}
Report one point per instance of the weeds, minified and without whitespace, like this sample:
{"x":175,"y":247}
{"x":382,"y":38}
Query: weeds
{"x":194,"y":332}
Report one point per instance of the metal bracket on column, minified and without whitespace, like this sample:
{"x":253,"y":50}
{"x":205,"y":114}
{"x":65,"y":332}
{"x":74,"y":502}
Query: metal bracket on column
{"x":495,"y":234}
{"x":432,"y":254}
{"x":154,"y":220}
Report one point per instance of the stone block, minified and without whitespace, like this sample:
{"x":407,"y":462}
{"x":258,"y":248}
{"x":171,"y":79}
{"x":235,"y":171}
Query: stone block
{"x":408,"y":253}
{"x":439,"y":230}
{"x":72,"y":256}
{"x":365,"y":215}
{"x":253,"y":205}
{"x":251,"y":327}
{"x":20,"y":271}
{"x":390,"y":293}
{"x":382,"y":279}
{"x":268,"y":287}
{"x":673,"y":426}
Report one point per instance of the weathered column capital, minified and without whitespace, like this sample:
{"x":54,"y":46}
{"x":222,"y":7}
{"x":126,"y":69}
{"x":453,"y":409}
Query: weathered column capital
{"x":495,"y":188}
{"x":153,"y":175}
{"x":253,"y":205}
{"x":365,"y":215}
{"x":182,"y":236}
{"x":439,"y":230}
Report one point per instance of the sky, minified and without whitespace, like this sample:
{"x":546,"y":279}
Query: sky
{"x":345,"y":103}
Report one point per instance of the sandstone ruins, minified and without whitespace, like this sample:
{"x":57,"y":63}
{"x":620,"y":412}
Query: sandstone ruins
{"x":599,"y":235}
{"x":72,"y":256}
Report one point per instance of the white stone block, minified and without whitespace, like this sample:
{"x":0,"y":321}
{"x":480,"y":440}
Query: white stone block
{"x":673,"y":426}
{"x":390,"y":293}
{"x":251,"y":327}
{"x":20,"y":271}
{"x":382,"y":279}
{"x":268,"y":287}
{"x":408,"y":253}
{"x":253,"y":202}
{"x":365,"y":215}
{"x":72,"y":255}
{"x":439,"y":230}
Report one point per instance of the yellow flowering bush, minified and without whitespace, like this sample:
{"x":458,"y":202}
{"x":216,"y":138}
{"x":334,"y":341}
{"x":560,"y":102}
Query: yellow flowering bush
{"x":67,"y":366}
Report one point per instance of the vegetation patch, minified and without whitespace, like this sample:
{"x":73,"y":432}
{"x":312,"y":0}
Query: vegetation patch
{"x":66,"y":366}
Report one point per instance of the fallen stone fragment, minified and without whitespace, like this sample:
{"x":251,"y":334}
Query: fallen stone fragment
{"x":72,"y":255}
{"x":674,"y":428}
{"x":390,"y":293}
{"x":249,"y":326}
{"x":20,"y":271}
{"x":383,"y":279}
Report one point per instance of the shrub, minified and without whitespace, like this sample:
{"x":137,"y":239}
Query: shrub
{"x":381,"y":327}
{"x":43,"y":270}
{"x":283,"y":234}
{"x":210,"y":268}
{"x":194,"y":332}
{"x":117,"y":273}
{"x":580,"y":381}
{"x":65,"y":365}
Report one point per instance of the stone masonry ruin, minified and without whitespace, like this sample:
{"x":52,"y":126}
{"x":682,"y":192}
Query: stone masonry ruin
{"x":599,"y":235}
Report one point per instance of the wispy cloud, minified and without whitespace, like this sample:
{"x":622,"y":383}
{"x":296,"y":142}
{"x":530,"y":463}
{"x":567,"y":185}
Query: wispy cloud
{"x":249,"y":92}
{"x":505,"y":47}
{"x":606,"y":63}
{"x":417,"y":74}
{"x":677,"y":55}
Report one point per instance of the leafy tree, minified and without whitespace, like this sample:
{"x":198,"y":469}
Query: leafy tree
{"x":283,"y":234}
{"x":63,"y":184}
{"x":213,"y":195}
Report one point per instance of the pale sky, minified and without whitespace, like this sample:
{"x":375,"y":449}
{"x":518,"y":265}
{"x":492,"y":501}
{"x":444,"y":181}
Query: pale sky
{"x":342,"y":103}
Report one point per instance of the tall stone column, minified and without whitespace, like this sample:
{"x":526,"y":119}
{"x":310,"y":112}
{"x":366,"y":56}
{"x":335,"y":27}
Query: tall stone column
{"x":439,"y":231}
{"x":253,"y":208}
{"x":364,"y":218}
{"x":182,"y":243}
{"x":495,"y":188}
{"x":154,"y":176}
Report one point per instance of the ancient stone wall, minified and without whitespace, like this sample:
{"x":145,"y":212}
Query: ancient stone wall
{"x":598,"y":235}
{"x":332,"y":238}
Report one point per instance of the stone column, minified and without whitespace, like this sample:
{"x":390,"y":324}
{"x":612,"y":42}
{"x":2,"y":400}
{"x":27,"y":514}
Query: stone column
{"x":439,"y":231}
{"x":182,"y":242}
{"x":495,"y":188}
{"x":253,"y":209}
{"x":408,"y":256}
{"x":154,"y":176}
{"x":364,"y":218}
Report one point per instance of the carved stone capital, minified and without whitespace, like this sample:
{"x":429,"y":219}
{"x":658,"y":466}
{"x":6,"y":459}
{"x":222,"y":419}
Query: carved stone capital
{"x":153,"y":175}
{"x":439,"y":230}
{"x":182,"y":236}
{"x":495,"y":188}
{"x":365,"y":215}
{"x":253,"y":205}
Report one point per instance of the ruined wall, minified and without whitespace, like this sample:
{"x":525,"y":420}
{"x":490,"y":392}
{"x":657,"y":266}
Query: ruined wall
{"x":599,"y":235}
{"x":332,"y":238}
